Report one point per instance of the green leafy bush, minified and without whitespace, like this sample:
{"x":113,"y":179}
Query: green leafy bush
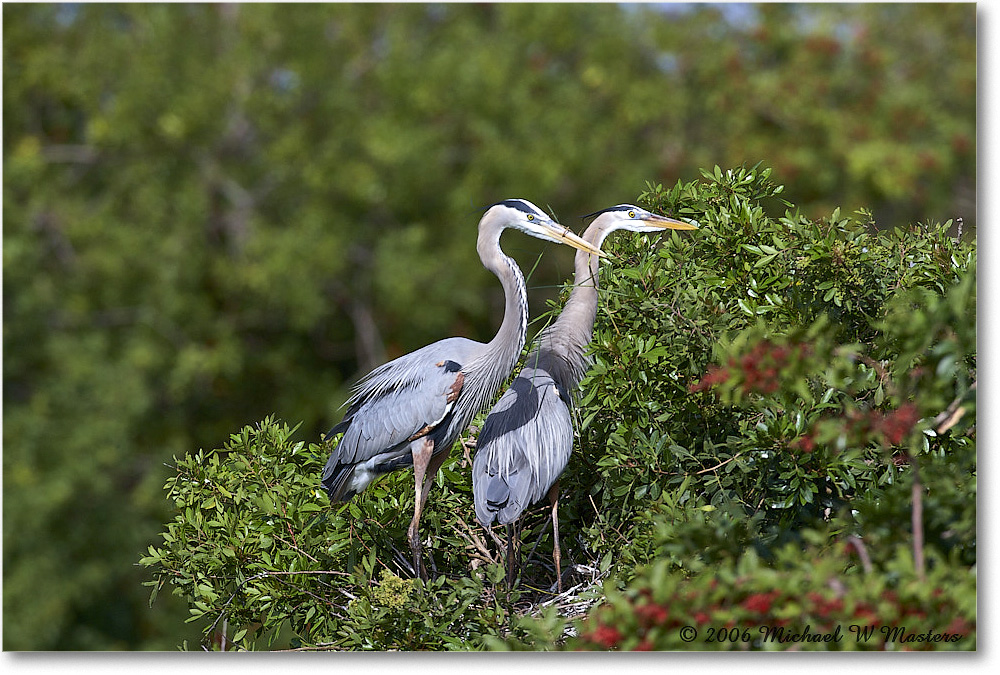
{"x":647,"y":425}
{"x":765,"y":392}
{"x":774,"y":376}
{"x":255,"y":545}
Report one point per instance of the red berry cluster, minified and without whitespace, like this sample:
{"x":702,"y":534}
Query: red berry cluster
{"x":715,"y":375}
{"x":806,"y":443}
{"x":822,"y":606}
{"x":648,"y":614}
{"x":760,"y":368}
{"x":897,"y":424}
{"x":864,"y":614}
{"x":604,"y":635}
{"x":651,"y":614}
{"x":861,"y":427}
{"x":892,"y":427}
{"x":760,"y":602}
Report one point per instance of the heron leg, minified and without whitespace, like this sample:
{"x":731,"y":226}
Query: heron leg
{"x":510,"y":556}
{"x":422,"y":452}
{"x":432,"y":468}
{"x":556,"y":557}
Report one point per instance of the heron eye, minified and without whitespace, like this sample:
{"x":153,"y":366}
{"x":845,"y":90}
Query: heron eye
{"x":530,"y":217}
{"x":631,"y":214}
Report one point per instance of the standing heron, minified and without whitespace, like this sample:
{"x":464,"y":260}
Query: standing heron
{"x":527,"y":438}
{"x":409,"y":411}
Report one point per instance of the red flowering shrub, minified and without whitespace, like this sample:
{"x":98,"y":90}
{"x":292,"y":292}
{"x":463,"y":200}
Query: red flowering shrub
{"x":605,"y":636}
{"x":760,"y":602}
{"x":810,"y":600}
{"x":651,"y":614}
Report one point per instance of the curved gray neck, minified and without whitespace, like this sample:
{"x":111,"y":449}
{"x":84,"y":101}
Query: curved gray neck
{"x":490,"y":368}
{"x":510,"y":337}
{"x":578,"y":315}
{"x":581,"y":308}
{"x":562,"y":344}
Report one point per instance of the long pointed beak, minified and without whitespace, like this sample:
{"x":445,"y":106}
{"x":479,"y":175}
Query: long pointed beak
{"x":565,"y":236}
{"x":668,"y":223}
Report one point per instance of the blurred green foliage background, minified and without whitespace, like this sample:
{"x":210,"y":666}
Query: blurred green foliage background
{"x":215,"y":213}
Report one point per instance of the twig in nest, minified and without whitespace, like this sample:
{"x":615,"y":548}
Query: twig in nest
{"x":474,"y":539}
{"x":468,"y":443}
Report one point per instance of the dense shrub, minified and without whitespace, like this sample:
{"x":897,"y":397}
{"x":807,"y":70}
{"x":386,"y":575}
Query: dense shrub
{"x":803,"y":600}
{"x":764,"y":392}
{"x":255,"y":545}
{"x":651,"y":419}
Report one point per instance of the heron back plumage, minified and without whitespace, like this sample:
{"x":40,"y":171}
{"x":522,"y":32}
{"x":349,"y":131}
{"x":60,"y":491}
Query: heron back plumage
{"x":523,"y":447}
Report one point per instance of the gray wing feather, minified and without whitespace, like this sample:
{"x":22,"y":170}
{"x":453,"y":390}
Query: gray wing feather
{"x":393,"y":418}
{"x":411,"y":368}
{"x":396,"y":401}
{"x":523,"y":448}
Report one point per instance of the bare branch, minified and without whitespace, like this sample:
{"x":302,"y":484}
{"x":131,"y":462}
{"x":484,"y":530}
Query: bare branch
{"x":717,"y":466}
{"x":917,"y":518}
{"x":953,"y":413}
{"x":859,"y":546}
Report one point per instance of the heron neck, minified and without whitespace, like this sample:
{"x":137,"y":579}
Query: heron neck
{"x":581,"y":308}
{"x":510,"y":337}
{"x":562,"y":344}
{"x":486,"y":372}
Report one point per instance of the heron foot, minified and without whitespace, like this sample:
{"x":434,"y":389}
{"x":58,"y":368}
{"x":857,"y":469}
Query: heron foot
{"x":556,"y":553}
{"x":413,"y":537}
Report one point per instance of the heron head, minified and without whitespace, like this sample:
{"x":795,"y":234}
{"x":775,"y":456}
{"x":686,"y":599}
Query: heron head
{"x":636,"y":219}
{"x":520,"y":214}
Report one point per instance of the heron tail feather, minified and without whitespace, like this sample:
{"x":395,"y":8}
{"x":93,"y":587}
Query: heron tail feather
{"x":336,"y":481}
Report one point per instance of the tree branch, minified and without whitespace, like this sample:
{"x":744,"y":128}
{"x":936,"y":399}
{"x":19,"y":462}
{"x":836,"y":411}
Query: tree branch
{"x":953,"y":413}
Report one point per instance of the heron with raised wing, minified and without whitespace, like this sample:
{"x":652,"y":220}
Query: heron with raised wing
{"x":409,"y":411}
{"x":527,"y":438}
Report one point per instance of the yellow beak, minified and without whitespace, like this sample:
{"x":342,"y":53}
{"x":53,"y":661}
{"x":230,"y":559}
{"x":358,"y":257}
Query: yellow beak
{"x":668,"y":223}
{"x":565,"y":236}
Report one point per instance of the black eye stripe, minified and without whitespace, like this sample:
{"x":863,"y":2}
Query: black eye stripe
{"x":518,"y":204}
{"x":619,"y":207}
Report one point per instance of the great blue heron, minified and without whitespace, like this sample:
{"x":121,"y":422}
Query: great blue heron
{"x":409,"y":411}
{"x":527,"y":438}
